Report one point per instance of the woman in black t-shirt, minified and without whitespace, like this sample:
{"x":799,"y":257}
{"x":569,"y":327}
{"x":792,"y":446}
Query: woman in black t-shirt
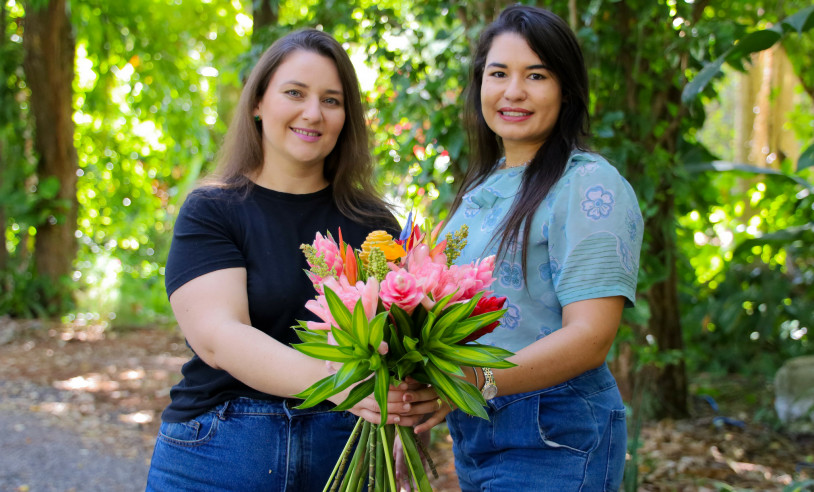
{"x":295,"y":162}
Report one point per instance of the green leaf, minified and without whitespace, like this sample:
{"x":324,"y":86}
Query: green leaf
{"x":445,"y":365}
{"x":470,"y":325}
{"x":380,"y":390}
{"x":310,"y":336}
{"x":376,"y":330}
{"x":440,"y":305}
{"x":756,"y":41}
{"x":403,"y":321}
{"x":325,"y":351}
{"x":413,"y":457}
{"x":359,"y":323}
{"x":343,"y":338}
{"x":352,"y":372}
{"x":357,"y":394}
{"x":426,"y":330}
{"x":806,"y":159}
{"x":455,"y":314}
{"x":474,"y":355}
{"x":338,"y":310}
{"x":450,"y":390}
{"x":726,"y":166}
{"x":702,"y":78}
{"x":800,"y":21}
{"x":317,"y":392}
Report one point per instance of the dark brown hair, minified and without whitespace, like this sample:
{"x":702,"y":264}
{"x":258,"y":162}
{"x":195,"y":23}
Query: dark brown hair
{"x":556,"y":45}
{"x":349,"y":166}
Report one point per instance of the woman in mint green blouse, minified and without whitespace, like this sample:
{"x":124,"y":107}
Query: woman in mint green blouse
{"x":567,"y":231}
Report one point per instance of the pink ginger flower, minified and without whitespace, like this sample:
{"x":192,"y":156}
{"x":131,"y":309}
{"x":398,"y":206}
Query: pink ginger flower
{"x":448,"y":284}
{"x":476,"y":277}
{"x":424,"y":267}
{"x":368,"y":292}
{"x":319,"y":306}
{"x":327,"y":248}
{"x":402,"y":288}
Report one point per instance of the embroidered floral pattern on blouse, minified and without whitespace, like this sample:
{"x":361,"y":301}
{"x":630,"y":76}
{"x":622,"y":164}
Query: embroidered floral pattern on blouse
{"x":587,"y":168}
{"x":510,"y":275}
{"x":598,"y":202}
{"x":512,"y":318}
{"x":626,"y":256}
{"x":631,"y":222}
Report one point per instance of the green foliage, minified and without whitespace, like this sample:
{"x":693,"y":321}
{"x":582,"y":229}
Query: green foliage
{"x":150,"y":77}
{"x":749,"y":273}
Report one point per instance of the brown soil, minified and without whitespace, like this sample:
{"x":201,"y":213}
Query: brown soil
{"x":116,"y":385}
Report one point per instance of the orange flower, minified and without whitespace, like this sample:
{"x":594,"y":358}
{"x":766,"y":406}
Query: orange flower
{"x":384,"y":241}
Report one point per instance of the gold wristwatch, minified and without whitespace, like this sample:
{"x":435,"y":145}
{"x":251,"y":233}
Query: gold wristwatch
{"x":489,"y":389}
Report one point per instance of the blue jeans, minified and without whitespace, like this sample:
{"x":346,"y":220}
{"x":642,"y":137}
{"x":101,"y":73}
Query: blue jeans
{"x":569,"y":437}
{"x":247,"y":445}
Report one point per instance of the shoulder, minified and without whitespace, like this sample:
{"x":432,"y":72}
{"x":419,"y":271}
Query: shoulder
{"x":590,"y":171}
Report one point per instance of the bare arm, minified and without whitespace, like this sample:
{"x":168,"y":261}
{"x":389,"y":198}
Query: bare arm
{"x":213,"y":313}
{"x":583,"y":342}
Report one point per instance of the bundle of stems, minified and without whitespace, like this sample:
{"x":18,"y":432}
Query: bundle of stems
{"x":372,"y":464}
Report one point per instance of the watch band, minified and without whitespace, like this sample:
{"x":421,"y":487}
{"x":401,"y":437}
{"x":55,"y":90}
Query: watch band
{"x":489,"y":390}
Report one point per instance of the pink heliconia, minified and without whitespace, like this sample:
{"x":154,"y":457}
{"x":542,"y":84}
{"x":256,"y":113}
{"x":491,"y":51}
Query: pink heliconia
{"x":403,"y":289}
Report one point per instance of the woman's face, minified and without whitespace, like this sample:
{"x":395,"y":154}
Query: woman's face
{"x":302,"y":111}
{"x":520,"y":96}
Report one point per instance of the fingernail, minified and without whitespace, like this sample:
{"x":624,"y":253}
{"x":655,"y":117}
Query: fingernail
{"x":406,"y":407}
{"x":396,"y":420}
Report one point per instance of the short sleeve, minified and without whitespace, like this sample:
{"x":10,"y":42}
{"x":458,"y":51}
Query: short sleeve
{"x":203,"y":240}
{"x":595,"y":234}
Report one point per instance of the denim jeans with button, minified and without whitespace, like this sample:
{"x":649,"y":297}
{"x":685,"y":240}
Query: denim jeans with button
{"x":569,"y":437}
{"x":250,"y":445}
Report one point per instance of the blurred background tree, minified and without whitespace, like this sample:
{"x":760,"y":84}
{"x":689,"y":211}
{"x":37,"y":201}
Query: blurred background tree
{"x":706,"y":109}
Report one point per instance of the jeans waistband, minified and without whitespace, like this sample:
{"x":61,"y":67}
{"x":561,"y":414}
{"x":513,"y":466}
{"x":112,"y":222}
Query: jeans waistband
{"x":278,"y":406}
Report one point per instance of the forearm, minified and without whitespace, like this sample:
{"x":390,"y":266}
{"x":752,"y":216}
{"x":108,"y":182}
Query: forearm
{"x":583,"y":343}
{"x":260,"y":361}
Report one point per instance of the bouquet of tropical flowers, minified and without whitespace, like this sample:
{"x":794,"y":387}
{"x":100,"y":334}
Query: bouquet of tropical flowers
{"x":396,"y":308}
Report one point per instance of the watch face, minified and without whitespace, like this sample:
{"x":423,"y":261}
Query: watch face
{"x":489,"y":391}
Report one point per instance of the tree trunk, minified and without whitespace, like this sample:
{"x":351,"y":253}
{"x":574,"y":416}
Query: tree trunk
{"x":669,"y":384}
{"x":265,"y":15}
{"x":49,"y":68}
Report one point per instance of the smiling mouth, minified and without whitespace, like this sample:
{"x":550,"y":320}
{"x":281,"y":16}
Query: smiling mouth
{"x":307,"y":133}
{"x":515,"y":113}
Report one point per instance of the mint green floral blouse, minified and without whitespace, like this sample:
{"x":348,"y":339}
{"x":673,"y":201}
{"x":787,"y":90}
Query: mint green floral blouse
{"x":585,"y":242}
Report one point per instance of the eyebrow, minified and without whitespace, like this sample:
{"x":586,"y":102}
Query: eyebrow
{"x":530,"y":67}
{"x":305,"y":86}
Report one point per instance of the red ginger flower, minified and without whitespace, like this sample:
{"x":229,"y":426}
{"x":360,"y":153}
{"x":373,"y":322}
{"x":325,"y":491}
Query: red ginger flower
{"x":485,"y":305}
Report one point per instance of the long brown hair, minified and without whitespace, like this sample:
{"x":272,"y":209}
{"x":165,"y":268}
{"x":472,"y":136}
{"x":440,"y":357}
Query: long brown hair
{"x":556,"y":45}
{"x":349,"y":166}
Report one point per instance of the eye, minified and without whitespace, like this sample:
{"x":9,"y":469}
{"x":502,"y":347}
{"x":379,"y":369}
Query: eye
{"x":497,"y":74}
{"x":293,"y":93}
{"x":538,"y":76}
{"x":332,"y":101}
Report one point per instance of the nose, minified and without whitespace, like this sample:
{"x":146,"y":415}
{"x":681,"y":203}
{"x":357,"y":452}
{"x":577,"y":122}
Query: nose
{"x":515,"y":90}
{"x":312,"y":110}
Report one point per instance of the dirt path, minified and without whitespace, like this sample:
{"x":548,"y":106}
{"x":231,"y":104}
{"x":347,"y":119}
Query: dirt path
{"x":79,"y":410}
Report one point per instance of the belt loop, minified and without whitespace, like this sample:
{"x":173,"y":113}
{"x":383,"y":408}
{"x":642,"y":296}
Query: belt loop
{"x":288,"y":410}
{"x":223,"y":408}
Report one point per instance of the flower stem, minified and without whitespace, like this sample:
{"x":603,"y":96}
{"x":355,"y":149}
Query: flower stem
{"x":342,"y":462}
{"x":389,"y":459}
{"x":371,"y":452}
{"x":426,"y":454}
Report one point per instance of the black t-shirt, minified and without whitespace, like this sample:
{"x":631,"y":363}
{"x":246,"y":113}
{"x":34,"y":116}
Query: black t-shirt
{"x":262,"y":232}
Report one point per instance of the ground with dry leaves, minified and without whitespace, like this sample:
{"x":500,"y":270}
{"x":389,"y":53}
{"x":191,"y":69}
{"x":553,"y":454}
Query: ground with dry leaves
{"x":111,"y":388}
